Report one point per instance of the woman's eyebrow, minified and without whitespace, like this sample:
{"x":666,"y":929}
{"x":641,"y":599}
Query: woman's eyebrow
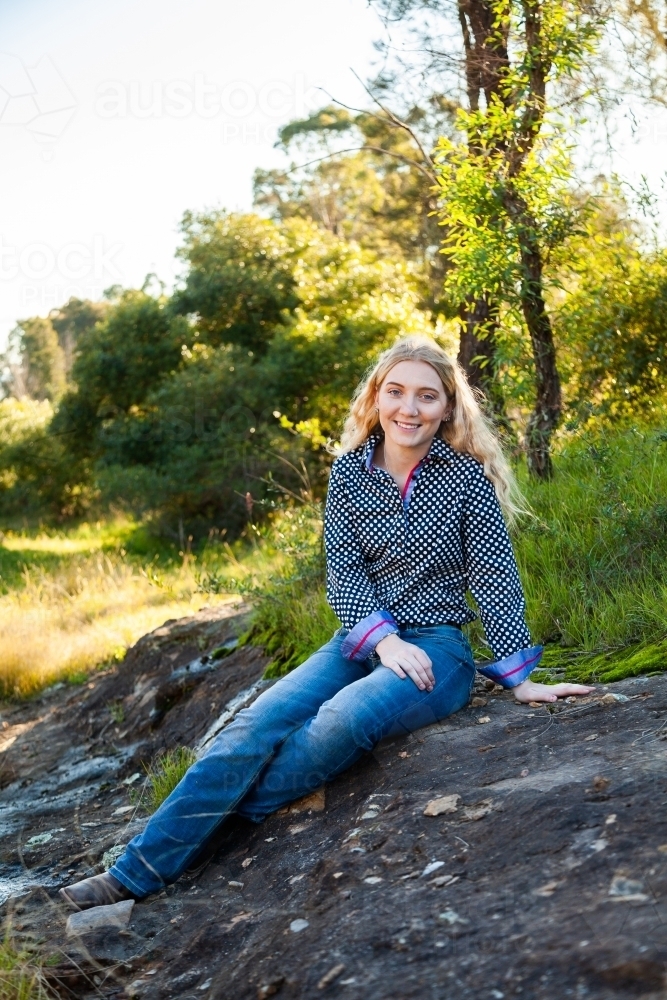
{"x":423,"y":388}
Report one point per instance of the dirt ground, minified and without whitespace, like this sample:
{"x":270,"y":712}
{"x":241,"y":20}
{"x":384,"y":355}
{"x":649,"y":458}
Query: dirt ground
{"x":546,"y":879}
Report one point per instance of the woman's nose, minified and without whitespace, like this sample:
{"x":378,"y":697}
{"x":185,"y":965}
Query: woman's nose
{"x":409,"y":406}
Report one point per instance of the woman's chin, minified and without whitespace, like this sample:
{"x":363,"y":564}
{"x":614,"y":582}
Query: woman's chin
{"x":408,"y":439}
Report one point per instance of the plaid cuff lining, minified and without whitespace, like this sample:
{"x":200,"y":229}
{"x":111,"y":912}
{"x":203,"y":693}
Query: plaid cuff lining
{"x":360,"y":642}
{"x":513,"y":669}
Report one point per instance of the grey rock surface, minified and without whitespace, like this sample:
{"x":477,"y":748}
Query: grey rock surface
{"x":547,"y":876}
{"x":84,"y":921}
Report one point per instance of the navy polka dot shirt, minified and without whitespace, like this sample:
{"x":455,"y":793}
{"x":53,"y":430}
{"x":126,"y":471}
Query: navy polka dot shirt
{"x":395,"y":560}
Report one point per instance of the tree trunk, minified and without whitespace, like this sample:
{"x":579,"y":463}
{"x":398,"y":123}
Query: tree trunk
{"x":548,"y":402}
{"x":486,"y":62}
{"x":477,"y":351}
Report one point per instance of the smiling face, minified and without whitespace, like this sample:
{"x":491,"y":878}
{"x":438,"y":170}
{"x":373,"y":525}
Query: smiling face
{"x":412,"y":404}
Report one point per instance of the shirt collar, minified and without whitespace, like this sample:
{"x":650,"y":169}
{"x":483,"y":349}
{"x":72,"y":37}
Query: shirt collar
{"x":439,"y":450}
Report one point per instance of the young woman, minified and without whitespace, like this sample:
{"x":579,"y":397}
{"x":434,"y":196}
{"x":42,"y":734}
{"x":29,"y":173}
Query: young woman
{"x":414,"y":519}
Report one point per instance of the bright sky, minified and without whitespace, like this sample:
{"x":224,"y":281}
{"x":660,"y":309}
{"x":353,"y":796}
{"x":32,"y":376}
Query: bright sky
{"x":118,"y":115}
{"x":122,"y":114}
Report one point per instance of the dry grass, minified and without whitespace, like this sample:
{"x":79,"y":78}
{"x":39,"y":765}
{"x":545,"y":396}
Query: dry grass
{"x":65,"y":621}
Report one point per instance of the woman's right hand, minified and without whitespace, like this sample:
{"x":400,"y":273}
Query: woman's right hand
{"x":406,"y":660}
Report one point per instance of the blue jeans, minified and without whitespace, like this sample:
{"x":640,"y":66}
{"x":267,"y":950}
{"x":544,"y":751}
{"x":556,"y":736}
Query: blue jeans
{"x":303,"y":731}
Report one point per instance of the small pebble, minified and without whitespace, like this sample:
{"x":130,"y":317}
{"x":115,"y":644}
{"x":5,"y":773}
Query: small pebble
{"x":270,"y":989}
{"x":452,"y":917}
{"x":432,"y":867}
{"x":444,"y":880}
{"x":236,"y":885}
{"x":298,"y":925}
{"x":330,"y":976}
{"x":442,"y":805}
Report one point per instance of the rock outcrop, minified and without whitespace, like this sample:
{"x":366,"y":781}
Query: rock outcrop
{"x":510,"y":851}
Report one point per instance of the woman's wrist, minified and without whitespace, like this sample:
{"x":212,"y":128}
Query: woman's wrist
{"x":386,"y":642}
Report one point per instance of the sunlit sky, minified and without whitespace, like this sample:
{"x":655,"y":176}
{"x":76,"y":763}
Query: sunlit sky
{"x":118,"y":115}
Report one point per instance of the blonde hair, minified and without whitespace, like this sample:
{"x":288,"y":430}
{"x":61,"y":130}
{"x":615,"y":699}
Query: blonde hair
{"x":468,"y":431}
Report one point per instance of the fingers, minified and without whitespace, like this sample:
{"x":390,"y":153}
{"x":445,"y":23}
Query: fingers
{"x":406,"y":659}
{"x":422,"y":677}
{"x":403,"y":667}
{"x":526,"y":696}
{"x":425,"y":665}
{"x":396,"y":669}
{"x":565,"y":690}
{"x":528,"y":691}
{"x":417,"y":666}
{"x":421,"y":657}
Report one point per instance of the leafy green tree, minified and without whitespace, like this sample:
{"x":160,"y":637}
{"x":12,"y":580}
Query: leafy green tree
{"x":71,"y":322}
{"x":35,"y":362}
{"x":506,"y":203}
{"x":119,"y":360}
{"x":38,"y":476}
{"x":614,"y":326}
{"x":238,"y":278}
{"x":378,"y":188}
{"x":204,"y":442}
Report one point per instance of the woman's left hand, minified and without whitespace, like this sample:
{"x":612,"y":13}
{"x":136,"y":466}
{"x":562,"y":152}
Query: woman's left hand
{"x":532,"y":691}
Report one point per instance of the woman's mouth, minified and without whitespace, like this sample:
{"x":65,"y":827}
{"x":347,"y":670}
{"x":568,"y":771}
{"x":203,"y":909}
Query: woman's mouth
{"x":407,"y":427}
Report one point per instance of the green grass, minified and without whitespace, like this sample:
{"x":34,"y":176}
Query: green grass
{"x":21,"y":976}
{"x":594,"y":558}
{"x":164,"y":774}
{"x":292,"y":619}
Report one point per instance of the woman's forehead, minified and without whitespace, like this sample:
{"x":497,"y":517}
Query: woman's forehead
{"x":416,"y":374}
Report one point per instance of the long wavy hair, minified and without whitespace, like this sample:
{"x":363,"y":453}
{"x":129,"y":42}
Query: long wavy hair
{"x":467,"y":431}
